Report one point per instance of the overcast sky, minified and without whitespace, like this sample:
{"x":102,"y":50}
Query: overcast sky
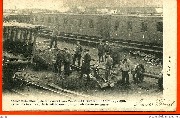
{"x":63,"y":4}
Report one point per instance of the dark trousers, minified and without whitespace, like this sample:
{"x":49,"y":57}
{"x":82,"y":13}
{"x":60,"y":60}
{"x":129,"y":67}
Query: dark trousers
{"x":115,"y":61}
{"x":78,"y":57}
{"x":53,"y":40}
{"x":125,"y":77}
{"x":57,"y":67}
{"x":66,"y":68}
{"x":160,"y":83}
{"x":105,"y":56}
{"x":85,"y":69}
{"x":107,"y":74}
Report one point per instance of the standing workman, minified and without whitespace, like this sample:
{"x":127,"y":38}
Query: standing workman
{"x":67,"y":62}
{"x":59,"y":61}
{"x":101,"y":52}
{"x":78,"y":52}
{"x":160,"y":81}
{"x":107,"y":49}
{"x":54,"y":38}
{"x":85,"y":68}
{"x":115,"y":55}
{"x":125,"y":68}
{"x":109,"y":64}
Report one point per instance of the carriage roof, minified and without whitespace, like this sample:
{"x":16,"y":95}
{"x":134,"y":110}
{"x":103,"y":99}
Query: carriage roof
{"x":20,"y":25}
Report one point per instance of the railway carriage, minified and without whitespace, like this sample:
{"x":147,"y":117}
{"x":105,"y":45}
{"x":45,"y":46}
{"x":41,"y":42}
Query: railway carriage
{"x":77,"y":24}
{"x":134,"y":28}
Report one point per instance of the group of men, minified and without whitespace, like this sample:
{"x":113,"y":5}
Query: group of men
{"x":124,"y":67}
{"x":106,"y":54}
{"x":63,"y":58}
{"x":103,"y":50}
{"x":111,"y":57}
{"x":66,"y":59}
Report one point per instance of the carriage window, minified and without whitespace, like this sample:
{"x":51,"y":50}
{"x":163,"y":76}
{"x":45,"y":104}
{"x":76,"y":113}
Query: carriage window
{"x":56,"y":19}
{"x":52,"y":19}
{"x":159,"y":26}
{"x":43,"y":19}
{"x":36,"y":18}
{"x":80,"y":22}
{"x":49,"y":19}
{"x":116,"y":25}
{"x":129,"y":25}
{"x":143,"y":27}
{"x":91,"y":25}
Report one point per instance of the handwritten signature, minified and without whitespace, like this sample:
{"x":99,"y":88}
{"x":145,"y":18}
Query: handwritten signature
{"x":158,"y":102}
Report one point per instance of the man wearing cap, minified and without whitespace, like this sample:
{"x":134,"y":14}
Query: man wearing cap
{"x":101,"y":51}
{"x":54,"y":37}
{"x":160,"y":81}
{"x":109,"y":64}
{"x":85,"y":68}
{"x":125,"y":68}
{"x":67,"y":61}
{"x":107,"y":49}
{"x":115,"y":54}
{"x":59,"y":61}
{"x":78,"y":52}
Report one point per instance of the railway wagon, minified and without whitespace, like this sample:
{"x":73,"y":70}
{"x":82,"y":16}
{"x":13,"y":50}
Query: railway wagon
{"x":19,"y":40}
{"x":134,"y":28}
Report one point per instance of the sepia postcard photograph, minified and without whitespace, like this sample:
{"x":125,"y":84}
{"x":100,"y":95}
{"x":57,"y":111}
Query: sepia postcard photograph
{"x":89,"y":55}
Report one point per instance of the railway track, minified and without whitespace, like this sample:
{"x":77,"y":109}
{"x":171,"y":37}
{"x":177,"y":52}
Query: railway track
{"x":93,"y":41}
{"x":51,"y":87}
{"x":18,"y":92}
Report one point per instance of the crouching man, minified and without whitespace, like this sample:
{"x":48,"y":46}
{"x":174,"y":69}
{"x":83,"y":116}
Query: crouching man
{"x":138,"y":73}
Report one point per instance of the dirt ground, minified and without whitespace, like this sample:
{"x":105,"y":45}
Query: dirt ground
{"x":73,"y":82}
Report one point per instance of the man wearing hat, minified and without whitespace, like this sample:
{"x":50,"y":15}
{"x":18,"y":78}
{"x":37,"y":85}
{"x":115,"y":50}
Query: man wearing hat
{"x":101,"y":51}
{"x":78,"y":52}
{"x":67,"y":61}
{"x":115,"y":55}
{"x":109,"y":64}
{"x":59,"y":61}
{"x":125,"y":68}
{"x":107,"y":49}
{"x":54,"y":37}
{"x":85,"y":68}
